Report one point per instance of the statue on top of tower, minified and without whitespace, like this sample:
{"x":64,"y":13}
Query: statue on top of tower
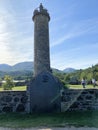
{"x":40,"y":10}
{"x":41,"y":7}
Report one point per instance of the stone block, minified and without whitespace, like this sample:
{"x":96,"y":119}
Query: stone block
{"x":44,"y":92}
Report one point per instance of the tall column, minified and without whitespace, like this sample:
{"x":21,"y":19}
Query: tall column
{"x":44,"y":89}
{"x":41,"y":40}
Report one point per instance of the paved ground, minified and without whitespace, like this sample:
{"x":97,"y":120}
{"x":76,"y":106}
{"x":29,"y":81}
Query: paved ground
{"x":65,"y":128}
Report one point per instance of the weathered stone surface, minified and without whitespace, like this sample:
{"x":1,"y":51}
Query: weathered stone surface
{"x":24,"y":99}
{"x":89,"y":97}
{"x":80,"y":98}
{"x":45,"y":93}
{"x":84,"y":99}
{"x":20,"y":108}
{"x":7,"y":109}
{"x":16,"y":99}
{"x":41,"y":41}
{"x":6,"y":98}
{"x":12,"y":101}
{"x":44,"y":90}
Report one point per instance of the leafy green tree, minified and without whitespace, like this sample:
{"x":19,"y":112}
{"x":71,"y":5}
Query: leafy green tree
{"x":9,"y":84}
{"x":67,"y":78}
{"x":83,"y":75}
{"x":74,"y":80}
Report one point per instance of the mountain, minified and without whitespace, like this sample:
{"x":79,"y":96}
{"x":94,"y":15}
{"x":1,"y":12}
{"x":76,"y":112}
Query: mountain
{"x":5,"y":67}
{"x":57,"y":71}
{"x":69,"y":70}
{"x":28,"y":66}
{"x":22,"y":66}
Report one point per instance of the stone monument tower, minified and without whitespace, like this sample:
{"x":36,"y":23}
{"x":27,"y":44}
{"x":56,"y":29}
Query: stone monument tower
{"x":41,"y":40}
{"x":44,"y":88}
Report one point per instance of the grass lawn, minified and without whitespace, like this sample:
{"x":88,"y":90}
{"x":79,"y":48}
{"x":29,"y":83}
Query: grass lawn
{"x":23,"y":88}
{"x":80,"y":86}
{"x":78,"y":119}
{"x":18,"y":88}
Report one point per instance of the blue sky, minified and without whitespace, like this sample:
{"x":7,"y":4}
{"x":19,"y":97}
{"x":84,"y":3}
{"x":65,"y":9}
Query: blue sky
{"x":73,"y":32}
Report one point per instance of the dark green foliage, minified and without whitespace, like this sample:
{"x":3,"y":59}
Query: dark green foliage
{"x":18,"y":75}
{"x":9,"y":84}
{"x":75,"y":77}
{"x":66,"y":78}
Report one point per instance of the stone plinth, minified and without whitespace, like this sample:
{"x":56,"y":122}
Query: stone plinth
{"x":45,"y":93}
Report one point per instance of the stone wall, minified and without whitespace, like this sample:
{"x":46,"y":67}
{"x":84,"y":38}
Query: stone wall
{"x":13,"y":101}
{"x":71,"y":99}
{"x":81,"y":99}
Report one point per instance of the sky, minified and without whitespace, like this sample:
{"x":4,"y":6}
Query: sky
{"x":73,"y":30}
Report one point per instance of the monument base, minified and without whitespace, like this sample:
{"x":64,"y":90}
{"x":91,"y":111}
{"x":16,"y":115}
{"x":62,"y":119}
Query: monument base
{"x":44,"y":92}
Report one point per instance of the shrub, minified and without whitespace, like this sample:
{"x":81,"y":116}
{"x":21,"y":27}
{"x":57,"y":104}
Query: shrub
{"x":9,"y":84}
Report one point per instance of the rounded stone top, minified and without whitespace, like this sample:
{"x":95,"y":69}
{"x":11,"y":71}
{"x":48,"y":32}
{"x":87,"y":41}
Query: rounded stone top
{"x":40,"y":10}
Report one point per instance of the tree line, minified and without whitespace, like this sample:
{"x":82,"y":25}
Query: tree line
{"x":77,"y":76}
{"x":66,"y":78}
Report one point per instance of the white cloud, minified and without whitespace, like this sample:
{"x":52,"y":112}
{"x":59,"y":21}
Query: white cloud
{"x":16,"y":45}
{"x":79,"y":28}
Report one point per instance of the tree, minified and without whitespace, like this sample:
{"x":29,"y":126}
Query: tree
{"x":9,"y":84}
{"x":74,"y":80}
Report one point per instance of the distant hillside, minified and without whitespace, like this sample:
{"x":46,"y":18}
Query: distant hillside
{"x":69,"y":70}
{"x":23,"y":66}
{"x":56,"y":70}
{"x":24,"y":70}
{"x":2,"y":74}
{"x":28,"y":66}
{"x":5,"y":67}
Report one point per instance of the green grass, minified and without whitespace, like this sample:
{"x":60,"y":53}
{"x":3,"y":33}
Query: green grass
{"x":78,"y":119}
{"x":80,"y":86}
{"x":18,"y":88}
{"x":23,"y":88}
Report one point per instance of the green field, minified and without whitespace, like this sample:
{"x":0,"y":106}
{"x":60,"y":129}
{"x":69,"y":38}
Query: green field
{"x":18,"y":88}
{"x":78,"y":119}
{"x":23,"y":88}
{"x":80,"y":87}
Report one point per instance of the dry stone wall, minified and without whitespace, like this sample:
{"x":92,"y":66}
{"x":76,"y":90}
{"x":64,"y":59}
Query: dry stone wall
{"x":71,"y":99}
{"x":13,"y":101}
{"x":81,"y":99}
